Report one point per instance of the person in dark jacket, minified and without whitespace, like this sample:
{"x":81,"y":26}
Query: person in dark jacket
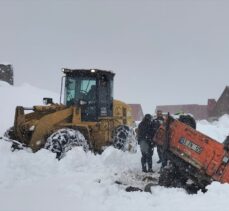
{"x":159,"y":120}
{"x":145,"y":135}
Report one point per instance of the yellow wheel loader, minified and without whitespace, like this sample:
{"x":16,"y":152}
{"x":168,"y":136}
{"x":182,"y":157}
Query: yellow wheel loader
{"x":89,"y":117}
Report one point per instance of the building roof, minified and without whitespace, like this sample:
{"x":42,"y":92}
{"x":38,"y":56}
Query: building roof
{"x":225,"y":91}
{"x":222,"y":105}
{"x":198,"y":111}
{"x":212,"y":109}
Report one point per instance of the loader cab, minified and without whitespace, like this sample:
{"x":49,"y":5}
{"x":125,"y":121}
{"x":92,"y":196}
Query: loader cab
{"x":91,"y":90}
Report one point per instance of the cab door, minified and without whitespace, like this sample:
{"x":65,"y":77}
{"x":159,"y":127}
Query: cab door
{"x":105,"y":87}
{"x":88,"y":95}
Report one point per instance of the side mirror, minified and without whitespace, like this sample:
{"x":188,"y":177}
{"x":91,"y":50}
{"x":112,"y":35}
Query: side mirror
{"x":47,"y":100}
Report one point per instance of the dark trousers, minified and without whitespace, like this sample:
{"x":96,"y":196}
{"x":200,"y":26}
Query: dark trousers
{"x":147,"y":153}
{"x":159,"y":152}
{"x":162,"y":156}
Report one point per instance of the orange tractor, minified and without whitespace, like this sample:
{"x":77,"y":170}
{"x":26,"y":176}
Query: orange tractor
{"x":190,"y":158}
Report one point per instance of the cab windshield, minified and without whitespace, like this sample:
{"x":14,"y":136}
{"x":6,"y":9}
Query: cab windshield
{"x":79,"y":88}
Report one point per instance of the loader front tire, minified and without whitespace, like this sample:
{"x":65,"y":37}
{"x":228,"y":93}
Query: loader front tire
{"x":64,"y":140}
{"x":10,"y":133}
{"x":124,"y":138}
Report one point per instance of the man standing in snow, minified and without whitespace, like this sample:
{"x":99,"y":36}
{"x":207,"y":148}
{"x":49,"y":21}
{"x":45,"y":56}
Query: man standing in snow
{"x":159,"y":120}
{"x":145,"y":135}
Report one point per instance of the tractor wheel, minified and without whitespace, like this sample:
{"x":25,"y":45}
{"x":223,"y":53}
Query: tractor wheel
{"x":9,"y":134}
{"x":124,"y":138}
{"x":167,"y":177}
{"x":64,"y":140}
{"x":170,"y":176}
{"x":188,"y":120}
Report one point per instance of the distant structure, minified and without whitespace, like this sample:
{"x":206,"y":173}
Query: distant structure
{"x":219,"y":107}
{"x":198,"y":111}
{"x":6,"y":73}
{"x":213,"y":110}
{"x":137,"y":112}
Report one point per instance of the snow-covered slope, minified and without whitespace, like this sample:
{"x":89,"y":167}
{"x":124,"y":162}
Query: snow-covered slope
{"x":84,"y":181}
{"x":24,"y":95}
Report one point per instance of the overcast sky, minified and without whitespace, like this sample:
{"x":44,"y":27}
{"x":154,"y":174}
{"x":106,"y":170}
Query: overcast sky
{"x":163,"y":52}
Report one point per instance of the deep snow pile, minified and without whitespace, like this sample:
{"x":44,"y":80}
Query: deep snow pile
{"x":84,"y":181}
{"x":24,"y":95}
{"x":217,"y":130}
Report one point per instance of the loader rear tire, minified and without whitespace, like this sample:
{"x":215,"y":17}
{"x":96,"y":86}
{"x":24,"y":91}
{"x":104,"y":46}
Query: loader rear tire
{"x":64,"y":140}
{"x":124,"y":138}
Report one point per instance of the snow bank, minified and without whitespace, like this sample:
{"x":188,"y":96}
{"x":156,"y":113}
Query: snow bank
{"x":24,"y":95}
{"x":217,"y":130}
{"x":84,"y":181}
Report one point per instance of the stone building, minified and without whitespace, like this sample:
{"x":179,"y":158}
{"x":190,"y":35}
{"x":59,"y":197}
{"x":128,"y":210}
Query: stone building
{"x":212,"y":111}
{"x":219,"y":107}
{"x":198,"y":111}
{"x":6,"y":73}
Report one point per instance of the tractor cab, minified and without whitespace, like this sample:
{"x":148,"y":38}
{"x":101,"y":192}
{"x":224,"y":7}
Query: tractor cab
{"x":91,"y":90}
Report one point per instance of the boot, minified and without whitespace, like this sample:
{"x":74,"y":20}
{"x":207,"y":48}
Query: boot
{"x":143,"y":161}
{"x":144,"y":169}
{"x":150,"y":170}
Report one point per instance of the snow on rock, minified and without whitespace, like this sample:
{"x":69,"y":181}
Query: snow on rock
{"x":24,"y":95}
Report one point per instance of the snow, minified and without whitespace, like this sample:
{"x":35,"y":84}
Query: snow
{"x":217,"y":130}
{"x":24,"y":95}
{"x":83,"y":181}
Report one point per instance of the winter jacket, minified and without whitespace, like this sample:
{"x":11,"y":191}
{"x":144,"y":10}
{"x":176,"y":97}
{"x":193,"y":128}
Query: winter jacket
{"x":145,"y":131}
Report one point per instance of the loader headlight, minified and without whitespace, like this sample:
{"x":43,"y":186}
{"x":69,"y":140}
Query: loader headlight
{"x":92,"y":71}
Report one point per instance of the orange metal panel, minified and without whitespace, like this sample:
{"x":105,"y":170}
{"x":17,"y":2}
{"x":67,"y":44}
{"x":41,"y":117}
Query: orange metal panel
{"x":197,"y":149}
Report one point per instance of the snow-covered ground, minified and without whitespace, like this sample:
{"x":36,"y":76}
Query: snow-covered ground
{"x":84,"y":181}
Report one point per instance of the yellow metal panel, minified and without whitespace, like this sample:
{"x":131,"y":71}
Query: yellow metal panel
{"x":46,"y":125}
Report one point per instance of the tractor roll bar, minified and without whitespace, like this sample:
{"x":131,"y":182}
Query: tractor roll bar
{"x":61,"y":88}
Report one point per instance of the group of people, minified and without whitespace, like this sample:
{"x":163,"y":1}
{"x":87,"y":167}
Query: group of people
{"x":146,"y":131}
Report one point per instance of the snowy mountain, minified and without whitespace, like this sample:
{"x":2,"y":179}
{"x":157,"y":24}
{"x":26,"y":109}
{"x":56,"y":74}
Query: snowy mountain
{"x":85,"y":181}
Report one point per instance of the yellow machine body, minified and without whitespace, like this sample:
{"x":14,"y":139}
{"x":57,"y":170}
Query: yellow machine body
{"x":32,"y":129}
